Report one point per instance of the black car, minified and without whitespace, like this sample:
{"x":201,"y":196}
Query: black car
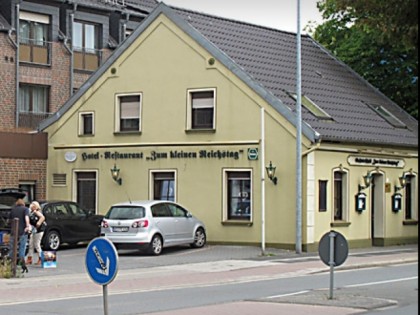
{"x":68,"y":223}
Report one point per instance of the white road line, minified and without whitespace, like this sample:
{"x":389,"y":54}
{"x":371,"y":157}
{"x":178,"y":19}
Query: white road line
{"x":380,"y":282}
{"x":288,"y":294}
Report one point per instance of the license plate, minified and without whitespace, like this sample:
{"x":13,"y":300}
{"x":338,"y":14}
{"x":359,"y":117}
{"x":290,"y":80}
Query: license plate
{"x":120,"y":229}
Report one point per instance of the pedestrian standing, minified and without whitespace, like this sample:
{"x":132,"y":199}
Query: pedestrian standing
{"x":37,"y":220}
{"x":21,"y":212}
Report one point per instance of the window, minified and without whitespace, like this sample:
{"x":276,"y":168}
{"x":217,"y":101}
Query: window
{"x":322,"y":198}
{"x":85,"y":44}
{"x":86,"y":126}
{"x":33,"y":99}
{"x":340,"y":196}
{"x":164,"y":186}
{"x":238,"y":203}
{"x":312,"y":107}
{"x":128,"y":113}
{"x":410,"y":198}
{"x":29,"y":187}
{"x":33,"y":37}
{"x":201,"y":109}
{"x":385,"y":114}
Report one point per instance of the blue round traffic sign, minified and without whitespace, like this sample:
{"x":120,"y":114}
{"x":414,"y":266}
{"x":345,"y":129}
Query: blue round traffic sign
{"x":101,"y":260}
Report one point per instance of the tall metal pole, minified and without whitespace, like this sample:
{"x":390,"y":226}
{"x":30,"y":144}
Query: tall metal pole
{"x":298,"y":137}
{"x":262,"y":181}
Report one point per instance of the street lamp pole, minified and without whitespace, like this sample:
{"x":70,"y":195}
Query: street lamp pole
{"x":299,"y":136}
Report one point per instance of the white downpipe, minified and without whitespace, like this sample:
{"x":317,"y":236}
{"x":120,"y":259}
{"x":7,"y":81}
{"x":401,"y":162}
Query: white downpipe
{"x":262,"y":181}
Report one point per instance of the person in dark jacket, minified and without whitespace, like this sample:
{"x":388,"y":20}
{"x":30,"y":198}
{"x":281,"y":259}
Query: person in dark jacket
{"x":20,"y":212}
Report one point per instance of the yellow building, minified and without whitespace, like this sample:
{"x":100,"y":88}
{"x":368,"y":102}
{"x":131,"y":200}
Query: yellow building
{"x":195,"y":108}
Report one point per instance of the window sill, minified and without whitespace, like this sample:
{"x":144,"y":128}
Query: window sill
{"x":126,"y":133}
{"x":340,"y":224}
{"x":410,"y":222}
{"x":200,"y":131}
{"x":237,"y":223}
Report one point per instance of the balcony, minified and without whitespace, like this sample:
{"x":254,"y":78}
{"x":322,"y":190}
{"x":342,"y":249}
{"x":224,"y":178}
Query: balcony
{"x":31,"y":120}
{"x":35,"y":51}
{"x":87,"y":59}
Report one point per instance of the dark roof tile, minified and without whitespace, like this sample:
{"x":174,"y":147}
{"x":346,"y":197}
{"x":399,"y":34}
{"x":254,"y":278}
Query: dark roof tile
{"x":269,"y":57}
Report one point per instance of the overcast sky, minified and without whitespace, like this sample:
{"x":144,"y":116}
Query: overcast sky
{"x":278,"y":14}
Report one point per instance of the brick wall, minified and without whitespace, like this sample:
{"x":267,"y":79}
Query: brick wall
{"x":15,"y":171}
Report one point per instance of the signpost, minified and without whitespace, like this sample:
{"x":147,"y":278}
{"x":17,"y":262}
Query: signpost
{"x":102,"y":264}
{"x":333,"y":250}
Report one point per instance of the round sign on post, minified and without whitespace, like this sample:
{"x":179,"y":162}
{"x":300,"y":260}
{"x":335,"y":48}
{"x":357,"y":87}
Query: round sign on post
{"x":101,"y":261}
{"x":341,"y":248}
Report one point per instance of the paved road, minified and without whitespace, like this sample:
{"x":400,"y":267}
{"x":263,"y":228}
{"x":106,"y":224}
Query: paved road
{"x":188,"y":268}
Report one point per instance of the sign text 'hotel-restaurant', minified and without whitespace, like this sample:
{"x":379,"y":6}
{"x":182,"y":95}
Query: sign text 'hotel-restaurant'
{"x":155,"y":155}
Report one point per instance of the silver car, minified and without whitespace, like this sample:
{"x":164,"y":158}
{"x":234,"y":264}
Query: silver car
{"x":152,"y":225}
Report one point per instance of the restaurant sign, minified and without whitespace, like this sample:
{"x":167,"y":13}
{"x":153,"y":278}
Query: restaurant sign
{"x":375,"y":161}
{"x":163,"y":155}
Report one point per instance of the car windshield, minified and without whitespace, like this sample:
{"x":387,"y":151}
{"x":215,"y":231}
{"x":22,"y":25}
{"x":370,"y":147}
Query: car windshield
{"x":125,"y":213}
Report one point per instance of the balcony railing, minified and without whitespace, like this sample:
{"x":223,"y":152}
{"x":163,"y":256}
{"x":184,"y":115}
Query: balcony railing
{"x":35,"y":51}
{"x":87,"y":59}
{"x":31,"y":120}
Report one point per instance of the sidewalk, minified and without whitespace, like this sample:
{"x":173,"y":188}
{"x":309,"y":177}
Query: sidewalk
{"x":223,"y":270}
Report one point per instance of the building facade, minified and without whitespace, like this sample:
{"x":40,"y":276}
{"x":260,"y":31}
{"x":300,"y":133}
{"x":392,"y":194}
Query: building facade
{"x":49,"y":48}
{"x":201,"y":110}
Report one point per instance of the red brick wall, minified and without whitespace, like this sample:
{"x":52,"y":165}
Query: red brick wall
{"x":14,"y":171}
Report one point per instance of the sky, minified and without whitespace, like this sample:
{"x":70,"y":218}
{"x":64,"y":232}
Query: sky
{"x":278,"y":14}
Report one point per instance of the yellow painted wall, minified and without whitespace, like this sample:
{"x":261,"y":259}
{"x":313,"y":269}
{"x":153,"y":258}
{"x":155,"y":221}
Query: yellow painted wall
{"x":162,"y":64}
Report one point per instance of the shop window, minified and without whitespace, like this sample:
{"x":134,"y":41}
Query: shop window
{"x":85,"y":46}
{"x":86,"y":124}
{"x":34,"y":32}
{"x":322,"y":197}
{"x":201,"y":109}
{"x":238,"y":192}
{"x":340,"y":196}
{"x":163,"y":186}
{"x":128,"y":113}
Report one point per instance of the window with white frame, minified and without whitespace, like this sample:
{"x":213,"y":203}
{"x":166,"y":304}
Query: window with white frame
{"x":340,"y":195}
{"x":238,"y":195}
{"x":86,"y":124}
{"x":163,"y":185}
{"x":128,"y":109}
{"x":201,"y":109}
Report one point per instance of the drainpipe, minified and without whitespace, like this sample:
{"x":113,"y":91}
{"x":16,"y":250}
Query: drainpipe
{"x":262,"y":181}
{"x":127,"y":18}
{"x":17,"y":63}
{"x":71,"y":49}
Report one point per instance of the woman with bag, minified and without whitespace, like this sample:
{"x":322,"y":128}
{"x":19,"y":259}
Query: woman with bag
{"x":37,"y":220}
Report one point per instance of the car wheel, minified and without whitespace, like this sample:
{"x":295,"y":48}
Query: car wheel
{"x":199,"y":238}
{"x":156,"y":245}
{"x":53,"y":240}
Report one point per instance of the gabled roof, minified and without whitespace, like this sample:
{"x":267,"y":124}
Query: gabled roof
{"x":265,"y":59}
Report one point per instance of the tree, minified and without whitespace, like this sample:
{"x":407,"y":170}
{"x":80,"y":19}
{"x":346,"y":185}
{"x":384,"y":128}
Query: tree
{"x":379,"y":40}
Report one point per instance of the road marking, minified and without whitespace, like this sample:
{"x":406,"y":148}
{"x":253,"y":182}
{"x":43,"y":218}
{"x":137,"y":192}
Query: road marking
{"x":288,"y":294}
{"x":379,"y":282}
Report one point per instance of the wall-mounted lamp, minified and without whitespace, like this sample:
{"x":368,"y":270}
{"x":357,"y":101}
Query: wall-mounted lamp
{"x":403,"y":180}
{"x":271,"y":171}
{"x":115,"y":173}
{"x":367,"y":179}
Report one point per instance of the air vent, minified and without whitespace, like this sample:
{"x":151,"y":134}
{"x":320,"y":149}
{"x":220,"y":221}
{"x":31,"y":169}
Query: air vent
{"x":59,"y":180}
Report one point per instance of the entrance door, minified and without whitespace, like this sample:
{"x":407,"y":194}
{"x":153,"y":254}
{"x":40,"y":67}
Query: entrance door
{"x":377,"y":210}
{"x":86,"y":190}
